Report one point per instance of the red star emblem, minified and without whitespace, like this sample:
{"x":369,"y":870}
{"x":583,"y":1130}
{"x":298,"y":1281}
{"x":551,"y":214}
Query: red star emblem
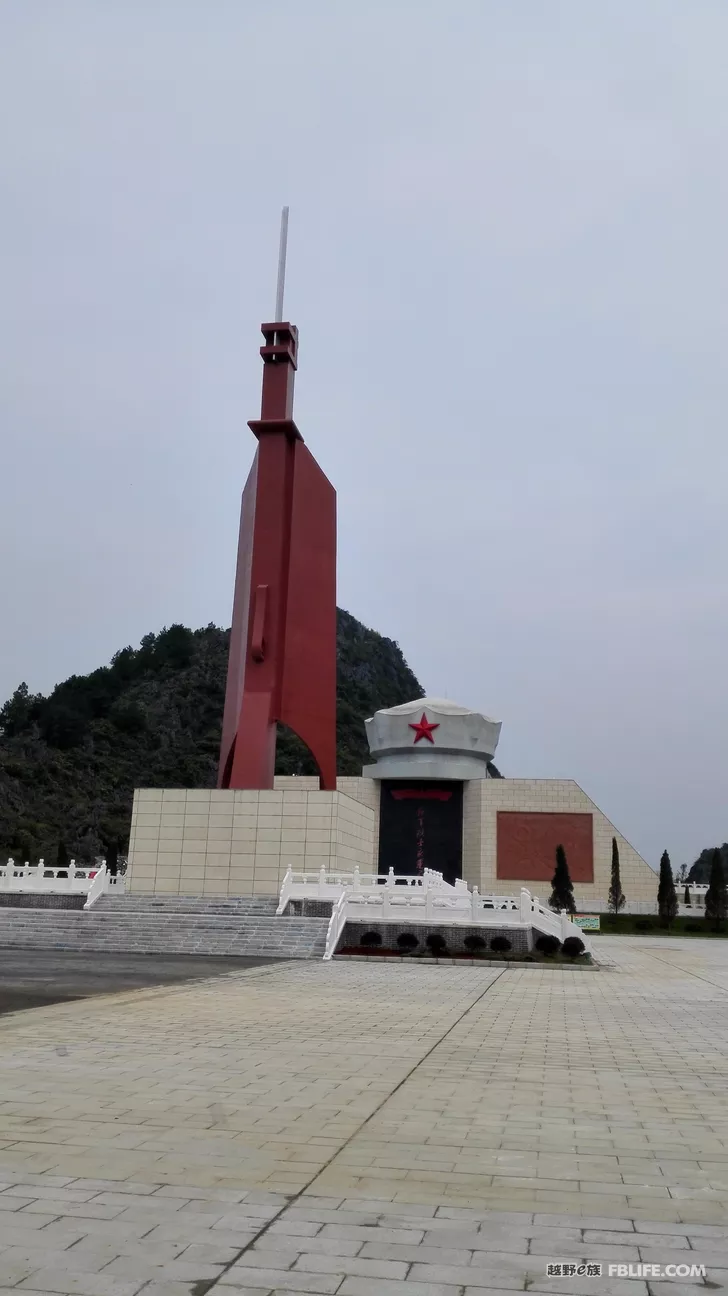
{"x":424,"y":729}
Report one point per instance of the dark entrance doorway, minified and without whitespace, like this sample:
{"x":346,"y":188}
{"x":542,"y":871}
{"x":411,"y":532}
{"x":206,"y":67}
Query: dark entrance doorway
{"x":421,"y":826}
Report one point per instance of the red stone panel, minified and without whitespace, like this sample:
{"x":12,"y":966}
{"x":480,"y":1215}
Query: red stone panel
{"x":527,"y":841}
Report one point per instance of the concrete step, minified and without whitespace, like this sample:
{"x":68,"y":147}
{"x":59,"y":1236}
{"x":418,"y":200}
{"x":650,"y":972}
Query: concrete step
{"x":141,"y":902}
{"x":147,"y":926}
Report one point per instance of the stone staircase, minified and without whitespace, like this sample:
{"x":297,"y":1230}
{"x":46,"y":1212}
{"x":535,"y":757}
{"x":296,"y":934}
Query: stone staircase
{"x":154,"y":924}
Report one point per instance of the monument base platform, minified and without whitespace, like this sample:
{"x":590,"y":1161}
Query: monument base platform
{"x":241,"y":843}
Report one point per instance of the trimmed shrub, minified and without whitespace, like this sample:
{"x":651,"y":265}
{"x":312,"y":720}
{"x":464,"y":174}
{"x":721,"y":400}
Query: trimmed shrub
{"x":407,"y":942}
{"x":549,"y":945}
{"x":436,"y":944}
{"x":643,"y":925}
{"x":500,"y":944}
{"x":573,"y":946}
{"x":475,"y":944}
{"x":370,"y":939}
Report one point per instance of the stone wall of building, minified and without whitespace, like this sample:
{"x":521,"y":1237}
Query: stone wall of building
{"x":557,"y":797}
{"x":241,"y":843}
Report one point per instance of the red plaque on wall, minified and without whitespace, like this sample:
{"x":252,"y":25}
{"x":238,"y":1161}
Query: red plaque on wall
{"x":527,"y":841}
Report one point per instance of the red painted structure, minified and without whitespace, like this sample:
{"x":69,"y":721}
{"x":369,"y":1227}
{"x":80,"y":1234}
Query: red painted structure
{"x":527,"y":841}
{"x":282,"y":663}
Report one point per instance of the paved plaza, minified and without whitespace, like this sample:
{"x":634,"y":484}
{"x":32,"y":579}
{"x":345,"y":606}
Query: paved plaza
{"x":362,"y":1128}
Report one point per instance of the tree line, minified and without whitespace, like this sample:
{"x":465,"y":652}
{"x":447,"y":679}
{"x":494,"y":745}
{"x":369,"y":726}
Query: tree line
{"x":716,"y":897}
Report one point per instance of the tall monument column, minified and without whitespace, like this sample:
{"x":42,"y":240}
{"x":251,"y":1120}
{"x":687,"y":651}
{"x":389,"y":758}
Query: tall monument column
{"x":282,"y":662}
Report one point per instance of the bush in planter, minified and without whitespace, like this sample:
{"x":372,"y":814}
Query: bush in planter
{"x":436,"y":944}
{"x":500,"y":945}
{"x":549,"y":945}
{"x":370,"y":939}
{"x":407,"y":942}
{"x":643,"y":926}
{"x":573,"y":946}
{"x":475,"y":944}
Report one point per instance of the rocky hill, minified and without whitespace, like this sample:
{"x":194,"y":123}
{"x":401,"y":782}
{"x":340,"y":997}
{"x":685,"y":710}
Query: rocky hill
{"x":69,"y":762}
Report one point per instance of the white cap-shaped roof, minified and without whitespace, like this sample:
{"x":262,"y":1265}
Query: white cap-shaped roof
{"x":442,"y":705}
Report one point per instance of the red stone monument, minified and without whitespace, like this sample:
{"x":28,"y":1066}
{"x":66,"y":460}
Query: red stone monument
{"x":282,"y":663}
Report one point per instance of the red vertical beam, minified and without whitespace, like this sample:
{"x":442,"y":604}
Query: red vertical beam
{"x":282,"y":664}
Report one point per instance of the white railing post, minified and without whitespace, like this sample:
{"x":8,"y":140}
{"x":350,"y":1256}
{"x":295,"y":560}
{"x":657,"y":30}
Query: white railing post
{"x":356,"y":880}
{"x":525,"y":906}
{"x":428,"y":905}
{"x":475,"y":904}
{"x":285,"y":891}
{"x":390,"y":879}
{"x":565,"y":924}
{"x":99,"y":884}
{"x":322,"y":883}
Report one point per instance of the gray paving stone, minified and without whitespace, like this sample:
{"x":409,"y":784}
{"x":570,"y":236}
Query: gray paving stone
{"x":290,"y":1227}
{"x":84,"y":1210}
{"x":470,"y":1241}
{"x":11,"y":1203}
{"x":283,"y":1280}
{"x":132,"y":1266}
{"x":598,"y":1236}
{"x":386,"y":1287}
{"x":587,"y":1221}
{"x":56,"y":1194}
{"x":385,"y":1208}
{"x":316,"y":1245}
{"x":317,"y":1215}
{"x":422,"y":1254}
{"x":79,"y":1284}
{"x":359,"y":1267}
{"x":272,"y":1258}
{"x":234,"y":1195}
{"x":363,"y":1233}
{"x":681,"y":1230}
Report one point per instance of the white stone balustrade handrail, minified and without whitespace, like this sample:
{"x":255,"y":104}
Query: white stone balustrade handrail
{"x":325,"y":885}
{"x":102,"y":883}
{"x":433,"y":906}
{"x":41,"y":879}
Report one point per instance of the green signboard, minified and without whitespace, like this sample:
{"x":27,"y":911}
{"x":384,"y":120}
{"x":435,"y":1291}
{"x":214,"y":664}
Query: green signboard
{"x":587,"y":922}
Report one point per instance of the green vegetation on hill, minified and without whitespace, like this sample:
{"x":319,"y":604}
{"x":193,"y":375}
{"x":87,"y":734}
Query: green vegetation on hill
{"x":700,"y":871}
{"x":69,"y":762}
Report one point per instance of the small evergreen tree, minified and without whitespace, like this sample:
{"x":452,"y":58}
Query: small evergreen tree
{"x":686,"y":898}
{"x":716,"y":897}
{"x":112,"y":859}
{"x":616,"y":894}
{"x":666,"y":895}
{"x":62,"y":860}
{"x":562,"y":888}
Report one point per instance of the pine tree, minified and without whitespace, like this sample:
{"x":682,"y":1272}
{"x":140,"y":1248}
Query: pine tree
{"x":62,"y":860}
{"x":562,"y":888}
{"x":716,"y":897}
{"x":666,"y":896}
{"x":616,"y":894}
{"x":686,"y":898}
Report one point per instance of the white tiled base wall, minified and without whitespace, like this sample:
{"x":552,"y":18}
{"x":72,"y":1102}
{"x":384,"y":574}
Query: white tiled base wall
{"x":217,"y":843}
{"x":240,"y":843}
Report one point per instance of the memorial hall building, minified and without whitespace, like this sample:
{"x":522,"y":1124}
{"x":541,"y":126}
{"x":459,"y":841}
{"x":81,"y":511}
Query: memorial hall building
{"x":431,"y":798}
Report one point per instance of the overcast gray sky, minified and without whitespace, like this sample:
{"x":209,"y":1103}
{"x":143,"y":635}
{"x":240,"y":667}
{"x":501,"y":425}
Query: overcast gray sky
{"x":508,"y":263}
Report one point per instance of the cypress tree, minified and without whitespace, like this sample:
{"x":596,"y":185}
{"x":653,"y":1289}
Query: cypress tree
{"x":616,"y":894}
{"x":716,"y":897}
{"x":686,"y":898}
{"x":666,"y":896}
{"x":562,"y":888}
